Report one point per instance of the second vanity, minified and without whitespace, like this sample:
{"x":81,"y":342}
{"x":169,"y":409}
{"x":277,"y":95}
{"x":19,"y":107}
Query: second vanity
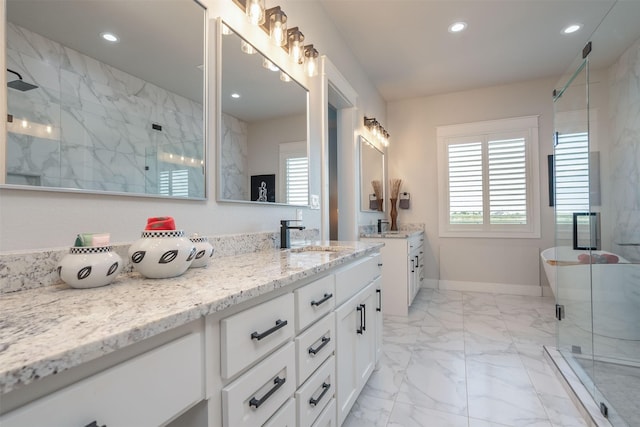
{"x":403,"y":268}
{"x":270,"y":338}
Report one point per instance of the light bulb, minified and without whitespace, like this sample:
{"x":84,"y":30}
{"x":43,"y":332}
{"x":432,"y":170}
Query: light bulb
{"x":255,"y":11}
{"x":247,"y":48}
{"x":284,"y":77}
{"x":278,"y":27}
{"x":296,"y":46}
{"x":311,"y":60}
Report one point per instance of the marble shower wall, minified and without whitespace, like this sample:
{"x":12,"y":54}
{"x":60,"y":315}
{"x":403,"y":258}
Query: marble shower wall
{"x":625,"y":153}
{"x":233,"y":160}
{"x":100,"y":119}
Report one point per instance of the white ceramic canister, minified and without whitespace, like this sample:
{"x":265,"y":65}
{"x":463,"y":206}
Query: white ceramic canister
{"x":204,"y":251}
{"x":90,"y":266}
{"x":162,"y":254}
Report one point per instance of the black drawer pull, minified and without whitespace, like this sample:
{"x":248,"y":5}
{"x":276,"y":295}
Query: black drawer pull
{"x":279,"y":324}
{"x":417,"y":263}
{"x":257,"y":402}
{"x":325,"y":389}
{"x":360,"y":310}
{"x":379,"y":307}
{"x":314,"y":351}
{"x":326,"y":298}
{"x":364,"y":315}
{"x":94,"y":424}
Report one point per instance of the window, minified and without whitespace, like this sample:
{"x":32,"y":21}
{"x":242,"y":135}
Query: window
{"x":488,"y":179}
{"x":174,"y":183}
{"x":571,"y":163}
{"x":294,"y":173}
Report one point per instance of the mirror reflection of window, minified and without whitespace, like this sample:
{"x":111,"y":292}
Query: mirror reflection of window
{"x":294,"y":170}
{"x":260,"y":114}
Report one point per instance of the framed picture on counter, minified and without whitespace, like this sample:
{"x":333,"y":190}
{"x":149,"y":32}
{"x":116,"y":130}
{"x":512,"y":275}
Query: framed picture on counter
{"x":263,"y":188}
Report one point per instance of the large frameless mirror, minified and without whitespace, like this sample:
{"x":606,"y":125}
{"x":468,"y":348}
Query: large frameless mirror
{"x":263,"y":136}
{"x":372,"y":181}
{"x":106,"y":96}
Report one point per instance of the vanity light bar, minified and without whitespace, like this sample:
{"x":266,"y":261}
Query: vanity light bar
{"x":273,"y":21}
{"x":376,"y":129}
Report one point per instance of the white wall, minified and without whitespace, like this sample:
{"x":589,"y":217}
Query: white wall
{"x":412,"y":157}
{"x":31,"y":219}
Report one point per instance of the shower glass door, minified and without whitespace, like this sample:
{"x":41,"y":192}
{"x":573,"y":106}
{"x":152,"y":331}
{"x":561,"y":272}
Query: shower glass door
{"x":571,"y":189}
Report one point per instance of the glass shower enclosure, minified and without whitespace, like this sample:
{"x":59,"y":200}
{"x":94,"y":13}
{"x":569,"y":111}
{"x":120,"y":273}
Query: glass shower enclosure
{"x":596,"y":183}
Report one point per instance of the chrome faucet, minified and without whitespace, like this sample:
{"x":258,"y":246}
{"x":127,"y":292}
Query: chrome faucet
{"x":285,"y":239}
{"x":380,"y":222}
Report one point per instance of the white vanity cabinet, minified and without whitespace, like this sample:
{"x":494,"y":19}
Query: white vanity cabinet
{"x":277,"y":359}
{"x":402,"y":271}
{"x":358,"y":330}
{"x":318,"y":363}
{"x":147,"y":390}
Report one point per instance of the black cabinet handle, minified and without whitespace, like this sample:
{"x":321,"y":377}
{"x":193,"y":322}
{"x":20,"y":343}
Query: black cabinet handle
{"x":412,"y":265}
{"x":417,"y":262}
{"x":325,"y":341}
{"x":95,"y":424}
{"x":360,"y":310}
{"x":379,"y":307}
{"x":257,"y":402}
{"x":326,"y":298}
{"x":325,"y":389}
{"x":379,"y":264}
{"x":364,"y":315}
{"x":279,"y":324}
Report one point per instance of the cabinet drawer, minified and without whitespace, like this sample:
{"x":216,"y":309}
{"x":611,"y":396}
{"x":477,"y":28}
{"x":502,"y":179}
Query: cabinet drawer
{"x":328,"y":416}
{"x":147,"y":390}
{"x":314,"y":301}
{"x":350,"y":280}
{"x":249,"y":335}
{"x":285,"y":417}
{"x":314,"y":346}
{"x":314,"y":395}
{"x":253,"y":398}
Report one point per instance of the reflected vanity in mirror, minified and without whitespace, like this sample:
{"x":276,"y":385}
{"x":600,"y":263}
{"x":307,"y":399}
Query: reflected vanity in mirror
{"x":123,"y":116}
{"x":372,"y":180}
{"x":262,"y":142}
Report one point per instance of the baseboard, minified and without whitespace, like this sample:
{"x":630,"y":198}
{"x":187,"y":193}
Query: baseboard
{"x":547,"y":291}
{"x":492,"y":288}
{"x":430,"y":284}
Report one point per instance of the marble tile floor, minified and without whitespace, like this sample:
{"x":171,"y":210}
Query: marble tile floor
{"x":467,"y":359}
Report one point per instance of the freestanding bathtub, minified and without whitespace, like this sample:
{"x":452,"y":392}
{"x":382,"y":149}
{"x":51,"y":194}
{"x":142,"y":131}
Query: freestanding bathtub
{"x":603,"y":299}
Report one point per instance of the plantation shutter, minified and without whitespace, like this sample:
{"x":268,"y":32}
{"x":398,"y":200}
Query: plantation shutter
{"x":174,"y":183}
{"x":465,"y":183}
{"x":571,"y":175}
{"x":488,"y":179}
{"x":297,"y":179}
{"x":507,"y":181}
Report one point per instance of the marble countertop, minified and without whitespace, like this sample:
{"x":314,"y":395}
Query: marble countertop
{"x":51,"y":329}
{"x":392,"y":234}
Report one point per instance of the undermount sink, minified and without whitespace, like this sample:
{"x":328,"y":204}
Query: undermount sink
{"x":321,"y":248}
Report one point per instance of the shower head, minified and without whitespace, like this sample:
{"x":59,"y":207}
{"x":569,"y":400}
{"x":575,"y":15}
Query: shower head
{"x":20,"y":84}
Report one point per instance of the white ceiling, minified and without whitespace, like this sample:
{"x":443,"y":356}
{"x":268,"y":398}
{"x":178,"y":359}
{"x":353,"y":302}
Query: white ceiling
{"x":405,"y":47}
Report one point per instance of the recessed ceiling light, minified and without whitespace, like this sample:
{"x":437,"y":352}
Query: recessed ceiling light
{"x":571,"y":28}
{"x":110,"y":37}
{"x":235,"y":95}
{"x":456,"y":27}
